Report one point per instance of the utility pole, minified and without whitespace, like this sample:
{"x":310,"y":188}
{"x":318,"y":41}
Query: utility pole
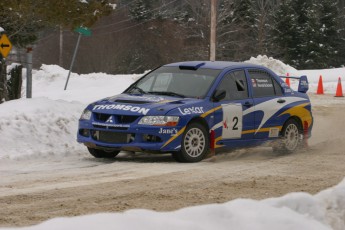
{"x":213,"y":30}
{"x":61,"y":47}
{"x":29,"y":72}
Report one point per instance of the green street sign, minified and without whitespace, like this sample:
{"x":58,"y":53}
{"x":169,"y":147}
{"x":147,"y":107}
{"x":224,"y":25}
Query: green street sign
{"x":84,"y":31}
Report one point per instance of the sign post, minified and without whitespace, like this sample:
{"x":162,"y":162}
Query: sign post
{"x":29,"y":73}
{"x":81,"y":31}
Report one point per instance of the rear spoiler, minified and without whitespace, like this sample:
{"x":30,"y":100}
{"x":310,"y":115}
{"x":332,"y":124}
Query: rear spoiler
{"x":303,"y":84}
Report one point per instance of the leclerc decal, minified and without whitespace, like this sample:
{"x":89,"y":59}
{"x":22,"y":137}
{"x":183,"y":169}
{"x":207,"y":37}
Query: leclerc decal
{"x":135,"y":109}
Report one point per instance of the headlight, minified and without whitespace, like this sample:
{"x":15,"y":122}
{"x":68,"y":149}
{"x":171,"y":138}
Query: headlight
{"x":159,"y":120}
{"x":86,"y":115}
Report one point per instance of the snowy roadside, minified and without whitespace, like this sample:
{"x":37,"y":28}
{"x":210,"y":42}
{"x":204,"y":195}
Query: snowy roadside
{"x":325,"y":210}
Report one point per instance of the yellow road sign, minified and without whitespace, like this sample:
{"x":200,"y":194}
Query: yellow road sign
{"x":5,"y":45}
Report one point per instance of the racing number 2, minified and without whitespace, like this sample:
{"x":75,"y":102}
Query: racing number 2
{"x":232,"y":121}
{"x":235,"y":120}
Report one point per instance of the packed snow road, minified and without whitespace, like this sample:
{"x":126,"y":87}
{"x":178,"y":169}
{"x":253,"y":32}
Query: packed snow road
{"x":34,"y":190}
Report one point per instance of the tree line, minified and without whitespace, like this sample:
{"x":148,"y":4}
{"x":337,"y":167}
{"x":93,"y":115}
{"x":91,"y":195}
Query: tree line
{"x":141,"y":34}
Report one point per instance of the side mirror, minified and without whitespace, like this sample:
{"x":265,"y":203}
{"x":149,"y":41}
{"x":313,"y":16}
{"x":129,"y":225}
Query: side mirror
{"x":219,"y":95}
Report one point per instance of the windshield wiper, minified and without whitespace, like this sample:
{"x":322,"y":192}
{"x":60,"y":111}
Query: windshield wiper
{"x":138,"y":89}
{"x":168,"y":93}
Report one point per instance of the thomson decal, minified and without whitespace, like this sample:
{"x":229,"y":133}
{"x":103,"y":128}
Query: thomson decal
{"x":135,"y":109}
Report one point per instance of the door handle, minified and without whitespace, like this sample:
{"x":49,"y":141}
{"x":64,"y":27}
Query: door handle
{"x":248,"y":103}
{"x":281,"y":101}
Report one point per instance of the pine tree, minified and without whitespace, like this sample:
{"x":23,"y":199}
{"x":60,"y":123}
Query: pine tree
{"x":308,"y":34}
{"x":309,"y":55}
{"x":330,"y":33}
{"x":22,"y":20}
{"x":236,"y":31}
{"x":283,"y":31}
{"x":141,"y":10}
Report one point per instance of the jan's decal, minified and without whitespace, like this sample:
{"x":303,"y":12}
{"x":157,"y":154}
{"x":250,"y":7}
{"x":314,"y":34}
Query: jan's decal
{"x":172,"y":131}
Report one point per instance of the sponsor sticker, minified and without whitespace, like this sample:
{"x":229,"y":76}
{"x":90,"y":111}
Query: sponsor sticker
{"x":172,"y":131}
{"x":254,"y":84}
{"x":191,"y":110}
{"x":263,"y":83}
{"x":232,"y":121}
{"x":135,"y":109}
{"x":274,"y":132}
{"x":304,"y":83}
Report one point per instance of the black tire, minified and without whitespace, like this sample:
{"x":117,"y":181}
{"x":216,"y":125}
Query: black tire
{"x":291,"y":137}
{"x":98,"y":153}
{"x":176,"y":157}
{"x":195,"y":144}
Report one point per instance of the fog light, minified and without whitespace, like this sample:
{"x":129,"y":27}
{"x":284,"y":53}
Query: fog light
{"x":84,"y":132}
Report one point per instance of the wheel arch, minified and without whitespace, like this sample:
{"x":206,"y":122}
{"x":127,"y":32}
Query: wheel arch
{"x":200,"y":120}
{"x":297,"y":119}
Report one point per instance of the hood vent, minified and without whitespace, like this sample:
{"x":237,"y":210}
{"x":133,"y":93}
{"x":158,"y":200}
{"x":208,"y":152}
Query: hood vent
{"x":132,"y":101}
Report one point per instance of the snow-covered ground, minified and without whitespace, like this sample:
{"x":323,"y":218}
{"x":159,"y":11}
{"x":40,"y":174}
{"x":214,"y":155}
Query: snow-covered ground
{"x":46,"y":126}
{"x":293,"y":211}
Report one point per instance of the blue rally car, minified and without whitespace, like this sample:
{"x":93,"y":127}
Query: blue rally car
{"x":188,"y":108}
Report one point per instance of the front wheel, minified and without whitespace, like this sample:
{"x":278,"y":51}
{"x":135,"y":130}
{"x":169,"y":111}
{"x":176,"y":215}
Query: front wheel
{"x":98,"y":153}
{"x":195,"y":144}
{"x":291,"y":133}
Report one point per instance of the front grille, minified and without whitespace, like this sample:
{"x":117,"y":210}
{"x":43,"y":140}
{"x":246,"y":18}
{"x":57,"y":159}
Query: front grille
{"x":126,"y":119}
{"x":101,"y":116}
{"x":116,"y":119}
{"x":112,"y":137}
{"x":109,"y":127}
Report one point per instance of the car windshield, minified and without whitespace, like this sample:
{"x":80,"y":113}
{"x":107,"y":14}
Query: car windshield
{"x":173,"y":81}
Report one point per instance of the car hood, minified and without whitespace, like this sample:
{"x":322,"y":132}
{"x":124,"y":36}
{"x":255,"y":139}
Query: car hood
{"x":147,"y":104}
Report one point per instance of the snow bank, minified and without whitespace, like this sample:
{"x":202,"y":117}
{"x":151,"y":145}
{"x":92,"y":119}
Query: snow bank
{"x":275,"y":65}
{"x":38,"y":127}
{"x":325,"y":210}
{"x":49,"y":81}
{"x":47,"y":124}
{"x":329,"y":76}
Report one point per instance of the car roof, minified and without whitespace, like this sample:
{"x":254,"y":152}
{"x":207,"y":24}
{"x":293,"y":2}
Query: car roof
{"x":212,"y":65}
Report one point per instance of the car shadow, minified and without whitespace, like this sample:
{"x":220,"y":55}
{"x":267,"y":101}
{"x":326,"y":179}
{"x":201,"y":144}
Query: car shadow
{"x":136,"y":157}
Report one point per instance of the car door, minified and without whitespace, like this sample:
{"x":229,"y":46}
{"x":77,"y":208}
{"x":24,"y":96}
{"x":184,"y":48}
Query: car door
{"x":268,"y":100}
{"x":229,"y":116}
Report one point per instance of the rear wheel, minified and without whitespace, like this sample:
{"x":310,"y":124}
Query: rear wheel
{"x":195,"y":144}
{"x":98,"y":153}
{"x":291,"y":140}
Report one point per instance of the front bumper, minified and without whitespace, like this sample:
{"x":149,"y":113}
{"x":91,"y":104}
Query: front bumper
{"x":131,"y":137}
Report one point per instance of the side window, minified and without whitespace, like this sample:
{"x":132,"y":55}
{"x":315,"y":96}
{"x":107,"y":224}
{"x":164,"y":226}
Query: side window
{"x":278,"y":88}
{"x":235,"y":85}
{"x":262,"y":83}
